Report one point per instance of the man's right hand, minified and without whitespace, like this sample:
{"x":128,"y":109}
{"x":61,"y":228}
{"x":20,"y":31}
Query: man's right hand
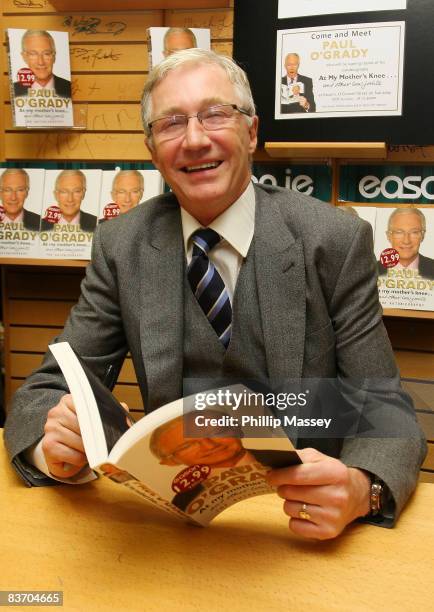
{"x":62,"y":444}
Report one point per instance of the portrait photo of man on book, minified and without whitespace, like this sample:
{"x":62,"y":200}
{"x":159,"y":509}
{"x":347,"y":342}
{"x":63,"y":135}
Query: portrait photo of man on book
{"x":38,"y":50}
{"x":222,"y":278}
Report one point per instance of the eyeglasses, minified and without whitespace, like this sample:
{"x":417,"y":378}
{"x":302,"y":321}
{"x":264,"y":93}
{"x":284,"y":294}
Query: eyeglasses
{"x":10,"y":191}
{"x":75,"y":193}
{"x":213,"y":118}
{"x":44,"y":54}
{"x":402,"y":233}
{"x":124,"y":192}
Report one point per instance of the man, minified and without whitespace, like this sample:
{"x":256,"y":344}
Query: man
{"x":39,"y":53}
{"x":127,"y":189}
{"x":405,"y":231}
{"x":69,"y":191}
{"x":298,"y":87}
{"x":178,"y":39}
{"x":296,"y":276}
{"x":14,"y":189}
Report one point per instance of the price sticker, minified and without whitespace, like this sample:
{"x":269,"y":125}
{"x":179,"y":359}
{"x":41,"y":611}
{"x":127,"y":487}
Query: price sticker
{"x":389,"y":258}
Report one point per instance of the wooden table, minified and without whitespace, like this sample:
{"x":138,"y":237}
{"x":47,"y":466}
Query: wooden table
{"x":108,"y":551}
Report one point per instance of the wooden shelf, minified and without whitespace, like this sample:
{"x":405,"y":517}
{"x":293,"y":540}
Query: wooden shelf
{"x":136,"y":5}
{"x":307,"y":150}
{"x":62,"y":263}
{"x":408,"y":314}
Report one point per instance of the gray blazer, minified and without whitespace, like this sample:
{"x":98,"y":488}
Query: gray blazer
{"x":320,"y":315}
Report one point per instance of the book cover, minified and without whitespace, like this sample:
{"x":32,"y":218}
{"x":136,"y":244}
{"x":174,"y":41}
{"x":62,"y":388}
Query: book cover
{"x":40,"y":78}
{"x":162,"y":458}
{"x":404,"y":248}
{"x":122,"y":190}
{"x":20,"y":211}
{"x":162,"y":42}
{"x":70,"y":213}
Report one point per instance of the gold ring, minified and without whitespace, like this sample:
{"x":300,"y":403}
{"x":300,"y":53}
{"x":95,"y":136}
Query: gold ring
{"x":304,"y":514}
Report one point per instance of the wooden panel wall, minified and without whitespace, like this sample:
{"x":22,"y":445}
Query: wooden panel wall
{"x":109,"y":64}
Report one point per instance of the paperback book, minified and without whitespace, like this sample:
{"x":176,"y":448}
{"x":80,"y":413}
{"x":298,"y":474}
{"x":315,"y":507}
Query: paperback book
{"x":40,"y":78}
{"x":192,"y":477}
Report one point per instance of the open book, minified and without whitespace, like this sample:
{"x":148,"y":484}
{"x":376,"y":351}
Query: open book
{"x":194,"y":476}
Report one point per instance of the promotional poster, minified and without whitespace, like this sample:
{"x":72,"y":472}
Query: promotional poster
{"x":40,"y":78}
{"x":340,"y":71}
{"x":20,"y":211}
{"x":70,"y":213}
{"x":404,"y":249}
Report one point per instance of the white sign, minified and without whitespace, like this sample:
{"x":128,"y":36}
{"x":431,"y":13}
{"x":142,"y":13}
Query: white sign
{"x":304,"y":8}
{"x":343,"y":71}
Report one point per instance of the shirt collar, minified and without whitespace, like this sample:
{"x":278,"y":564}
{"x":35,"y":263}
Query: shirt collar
{"x":236,"y":224}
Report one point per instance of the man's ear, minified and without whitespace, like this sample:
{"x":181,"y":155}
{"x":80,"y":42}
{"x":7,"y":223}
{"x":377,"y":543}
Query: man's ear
{"x":253,"y":133}
{"x":151,"y":148}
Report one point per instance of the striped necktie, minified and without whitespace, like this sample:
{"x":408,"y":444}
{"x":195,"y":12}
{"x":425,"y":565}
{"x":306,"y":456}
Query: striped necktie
{"x":208,"y":286}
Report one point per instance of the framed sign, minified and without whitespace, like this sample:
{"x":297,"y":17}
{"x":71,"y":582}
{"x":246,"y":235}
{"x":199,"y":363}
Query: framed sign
{"x":379,"y":57}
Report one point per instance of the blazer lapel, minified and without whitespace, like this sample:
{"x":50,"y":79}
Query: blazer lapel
{"x":162,"y":307}
{"x":280,"y":275}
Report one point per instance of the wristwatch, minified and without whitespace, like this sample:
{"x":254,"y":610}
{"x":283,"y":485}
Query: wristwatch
{"x":376,"y":497}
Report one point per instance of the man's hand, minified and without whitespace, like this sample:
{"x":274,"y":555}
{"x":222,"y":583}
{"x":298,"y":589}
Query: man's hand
{"x":304,"y":103}
{"x":62,"y":444}
{"x":334,"y":494}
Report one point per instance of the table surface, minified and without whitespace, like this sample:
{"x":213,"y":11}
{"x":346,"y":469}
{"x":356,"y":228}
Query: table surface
{"x":105,"y":549}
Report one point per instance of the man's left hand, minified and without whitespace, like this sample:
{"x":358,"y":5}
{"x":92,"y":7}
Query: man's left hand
{"x":333,"y":493}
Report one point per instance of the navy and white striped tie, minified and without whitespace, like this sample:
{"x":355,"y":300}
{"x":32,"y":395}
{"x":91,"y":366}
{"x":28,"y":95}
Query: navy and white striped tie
{"x":208,"y":286}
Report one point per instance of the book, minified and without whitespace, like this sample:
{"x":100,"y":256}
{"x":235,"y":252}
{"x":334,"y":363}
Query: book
{"x":40,"y":78}
{"x":290,"y":94}
{"x":162,"y":42}
{"x":404,"y":246}
{"x":69,"y":213}
{"x":20,"y":211}
{"x":185,"y":460}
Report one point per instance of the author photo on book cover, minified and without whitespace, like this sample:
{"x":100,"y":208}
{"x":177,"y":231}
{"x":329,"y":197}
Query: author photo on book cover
{"x":406,"y":231}
{"x":222,"y":278}
{"x":38,"y":50}
{"x":14,"y":189}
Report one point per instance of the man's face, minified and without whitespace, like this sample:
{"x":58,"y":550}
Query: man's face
{"x":207,"y":170}
{"x":69,"y":194}
{"x":13,"y":193}
{"x":127,"y":192}
{"x":405,"y":235}
{"x":216,"y":452}
{"x":291,"y":64}
{"x":177,"y":41}
{"x":39,"y":57}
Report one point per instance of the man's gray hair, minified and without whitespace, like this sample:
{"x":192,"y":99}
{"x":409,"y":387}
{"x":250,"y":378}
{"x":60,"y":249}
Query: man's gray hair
{"x":407,"y":210}
{"x":180,"y":31}
{"x":294,"y":54}
{"x":10,"y":171}
{"x":44,"y":33}
{"x":133,"y":172}
{"x":197,"y":57}
{"x":64,"y":173}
